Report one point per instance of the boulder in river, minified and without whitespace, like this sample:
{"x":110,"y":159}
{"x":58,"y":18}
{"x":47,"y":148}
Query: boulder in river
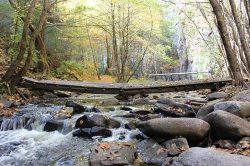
{"x":225,"y":125}
{"x":151,"y":153}
{"x":217,"y":95}
{"x":238,"y":108}
{"x":210,"y":157}
{"x":53,"y":125}
{"x":171,"y":108}
{"x":207,"y":108}
{"x":76,"y":107}
{"x":191,"y":128}
{"x":112,"y":153}
{"x":92,"y":120}
{"x":91,"y":132}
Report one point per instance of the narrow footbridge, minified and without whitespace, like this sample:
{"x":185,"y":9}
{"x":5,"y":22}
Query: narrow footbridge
{"x":122,"y":88}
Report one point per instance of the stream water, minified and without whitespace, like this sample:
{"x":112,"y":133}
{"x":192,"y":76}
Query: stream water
{"x":23,"y":141}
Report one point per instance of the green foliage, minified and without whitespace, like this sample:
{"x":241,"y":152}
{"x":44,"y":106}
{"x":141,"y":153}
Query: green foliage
{"x":75,"y":70}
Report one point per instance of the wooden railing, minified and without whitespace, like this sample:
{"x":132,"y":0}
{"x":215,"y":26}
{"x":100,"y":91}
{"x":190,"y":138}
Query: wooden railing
{"x":177,"y":76}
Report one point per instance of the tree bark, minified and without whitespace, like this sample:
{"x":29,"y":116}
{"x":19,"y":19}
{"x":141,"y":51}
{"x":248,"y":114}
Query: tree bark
{"x":230,"y":52}
{"x":241,"y":32}
{"x":34,"y":36}
{"x":23,"y":43}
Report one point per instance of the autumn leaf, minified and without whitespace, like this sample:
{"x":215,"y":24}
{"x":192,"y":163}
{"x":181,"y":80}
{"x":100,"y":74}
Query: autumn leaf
{"x":104,"y":146}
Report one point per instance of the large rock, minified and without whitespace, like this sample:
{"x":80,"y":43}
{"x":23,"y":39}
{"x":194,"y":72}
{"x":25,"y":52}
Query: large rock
{"x":238,"y":108}
{"x":77,"y":108}
{"x":151,"y":153}
{"x":171,"y":108}
{"x":217,"y":95}
{"x":210,"y":157}
{"x":112,"y":153}
{"x":91,"y":132}
{"x":225,"y":125}
{"x":167,"y":128}
{"x":207,"y":108}
{"x":92,"y":120}
{"x":53,"y":125}
{"x":242,"y":96}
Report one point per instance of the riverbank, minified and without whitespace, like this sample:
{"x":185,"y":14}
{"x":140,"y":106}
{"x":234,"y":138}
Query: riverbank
{"x":181,"y":128}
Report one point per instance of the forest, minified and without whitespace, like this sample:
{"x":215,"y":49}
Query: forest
{"x":121,"y":41}
{"x":125,"y":82}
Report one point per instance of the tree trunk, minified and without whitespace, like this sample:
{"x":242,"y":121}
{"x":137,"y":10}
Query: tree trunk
{"x":231,"y":55}
{"x":241,"y":32}
{"x":23,"y":43}
{"x":34,"y":36}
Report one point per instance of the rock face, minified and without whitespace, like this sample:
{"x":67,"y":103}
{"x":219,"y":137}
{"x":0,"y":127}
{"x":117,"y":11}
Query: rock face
{"x":210,"y":157}
{"x":94,"y":131}
{"x":112,"y":153}
{"x":243,"y":96}
{"x":151,"y":153}
{"x":167,"y":128}
{"x":225,"y":125}
{"x":170,"y":108}
{"x":217,"y":95}
{"x":238,"y":108}
{"x":207,"y":108}
{"x":93,"y":120}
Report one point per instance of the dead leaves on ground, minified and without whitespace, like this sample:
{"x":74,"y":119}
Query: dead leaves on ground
{"x":8,"y":111}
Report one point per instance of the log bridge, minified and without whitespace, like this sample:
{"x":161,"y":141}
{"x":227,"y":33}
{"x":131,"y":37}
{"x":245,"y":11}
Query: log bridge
{"x":123,"y":89}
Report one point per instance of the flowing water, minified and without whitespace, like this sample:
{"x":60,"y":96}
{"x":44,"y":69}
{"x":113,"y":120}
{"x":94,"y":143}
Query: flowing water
{"x":24,"y":143}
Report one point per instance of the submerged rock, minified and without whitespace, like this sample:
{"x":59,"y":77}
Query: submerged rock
{"x":92,"y":120}
{"x":151,"y":153}
{"x":208,"y":156}
{"x":225,"y":125}
{"x":112,"y":153}
{"x":94,"y":131}
{"x":217,"y":95}
{"x":167,"y":128}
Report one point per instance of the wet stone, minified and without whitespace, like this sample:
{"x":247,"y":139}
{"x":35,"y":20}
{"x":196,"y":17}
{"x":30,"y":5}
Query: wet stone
{"x":112,"y":153}
{"x":91,"y":132}
{"x":179,"y":143}
{"x":53,"y":125}
{"x":151,"y":153}
{"x":93,"y":120}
